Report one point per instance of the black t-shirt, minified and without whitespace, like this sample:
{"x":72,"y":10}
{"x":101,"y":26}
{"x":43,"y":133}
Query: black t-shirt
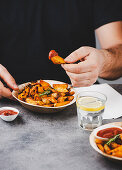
{"x":29,"y":29}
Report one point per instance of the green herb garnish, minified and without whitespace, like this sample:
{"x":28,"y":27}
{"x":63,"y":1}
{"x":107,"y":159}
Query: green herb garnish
{"x":113,"y":139}
{"x":45,"y":92}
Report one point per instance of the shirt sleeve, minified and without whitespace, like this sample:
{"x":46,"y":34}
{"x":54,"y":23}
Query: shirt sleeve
{"x":106,"y":11}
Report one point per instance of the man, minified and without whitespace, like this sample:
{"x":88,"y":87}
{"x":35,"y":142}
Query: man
{"x":29,"y":29}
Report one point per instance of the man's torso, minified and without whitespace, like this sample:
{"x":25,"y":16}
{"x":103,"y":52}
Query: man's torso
{"x":31,"y":28}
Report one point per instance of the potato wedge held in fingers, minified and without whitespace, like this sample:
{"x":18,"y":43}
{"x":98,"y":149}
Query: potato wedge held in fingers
{"x":55,"y":58}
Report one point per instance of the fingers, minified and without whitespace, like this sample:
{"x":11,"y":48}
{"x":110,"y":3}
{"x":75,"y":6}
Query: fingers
{"x":5,"y":75}
{"x":84,"y":79}
{"x":84,"y":83}
{"x":75,"y":68}
{"x":79,"y":77}
{"x":86,"y":72}
{"x":5,"y":92}
{"x":78,"y":54}
{"x":81,"y":67}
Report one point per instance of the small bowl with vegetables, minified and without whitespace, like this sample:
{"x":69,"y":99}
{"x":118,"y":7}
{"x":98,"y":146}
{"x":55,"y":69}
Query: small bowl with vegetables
{"x":107,"y":140}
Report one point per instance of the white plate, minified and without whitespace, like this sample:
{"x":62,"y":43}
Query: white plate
{"x":93,"y":144}
{"x":41,"y":109}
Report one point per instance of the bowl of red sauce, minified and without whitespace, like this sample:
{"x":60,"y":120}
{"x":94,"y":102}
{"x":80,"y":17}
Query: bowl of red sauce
{"x":106,"y":132}
{"x":8,"y":113}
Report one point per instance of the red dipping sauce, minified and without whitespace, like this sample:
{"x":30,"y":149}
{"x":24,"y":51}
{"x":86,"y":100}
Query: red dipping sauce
{"x":7,"y":112}
{"x":109,"y":132}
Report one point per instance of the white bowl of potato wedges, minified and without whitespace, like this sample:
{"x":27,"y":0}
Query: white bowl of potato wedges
{"x":45,"y":96}
{"x":112,"y":148}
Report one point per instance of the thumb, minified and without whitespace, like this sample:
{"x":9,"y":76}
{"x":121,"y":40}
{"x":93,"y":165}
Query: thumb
{"x":78,"y":54}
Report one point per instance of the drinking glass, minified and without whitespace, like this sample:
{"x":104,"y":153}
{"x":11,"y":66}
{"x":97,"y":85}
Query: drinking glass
{"x":90,"y":107}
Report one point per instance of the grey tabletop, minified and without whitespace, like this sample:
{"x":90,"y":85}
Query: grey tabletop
{"x":35,"y":141}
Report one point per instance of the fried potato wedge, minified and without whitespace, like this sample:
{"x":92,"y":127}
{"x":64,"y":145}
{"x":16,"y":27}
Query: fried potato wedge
{"x":52,"y":53}
{"x":107,"y":149}
{"x":49,"y":88}
{"x":71,"y":93}
{"x":116,"y":149}
{"x":62,"y":94}
{"x":31,"y":101}
{"x":98,"y":141}
{"x":61,"y":99}
{"x":55,"y":95}
{"x":61,"y":104}
{"x":22,"y":96}
{"x":52,"y":99}
{"x":44,"y":83}
{"x":27,"y":90}
{"x":118,"y":154}
{"x":40,"y":103}
{"x":55,"y":58}
{"x":61,"y":87}
{"x":46,"y":100}
{"x":70,"y":98}
{"x":114,"y":145}
{"x":33,"y":90}
{"x":40,"y":89}
{"x":100,"y":147}
{"x":58,"y":60}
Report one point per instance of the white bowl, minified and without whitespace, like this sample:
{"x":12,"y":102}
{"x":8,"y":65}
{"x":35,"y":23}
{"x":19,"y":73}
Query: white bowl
{"x":11,"y":117}
{"x":95,"y":131}
{"x":42,"y":109}
{"x":93,"y":144}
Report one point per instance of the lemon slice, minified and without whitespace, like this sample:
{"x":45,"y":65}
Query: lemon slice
{"x":90,"y":104}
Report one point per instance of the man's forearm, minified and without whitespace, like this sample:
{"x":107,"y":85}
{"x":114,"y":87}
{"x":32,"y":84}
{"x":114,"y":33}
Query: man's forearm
{"x":112,"y":67}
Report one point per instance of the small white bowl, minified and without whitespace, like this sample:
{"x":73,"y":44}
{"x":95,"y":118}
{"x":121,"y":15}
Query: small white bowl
{"x":104,"y":127}
{"x":11,"y":117}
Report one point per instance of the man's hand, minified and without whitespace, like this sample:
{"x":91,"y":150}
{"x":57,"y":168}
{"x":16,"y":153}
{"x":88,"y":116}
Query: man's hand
{"x":9,"y":80}
{"x":86,"y":72}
